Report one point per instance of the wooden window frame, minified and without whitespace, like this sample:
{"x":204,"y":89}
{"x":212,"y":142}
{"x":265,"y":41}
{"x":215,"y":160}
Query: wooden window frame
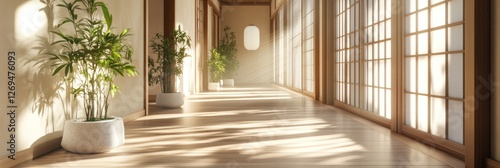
{"x":453,"y":148}
{"x":361,"y":81}
{"x":201,"y":56}
{"x":305,"y":50}
{"x":477,"y":105}
{"x":288,"y":59}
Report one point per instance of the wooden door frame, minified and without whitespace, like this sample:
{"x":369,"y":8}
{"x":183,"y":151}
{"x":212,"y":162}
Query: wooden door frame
{"x":146,"y":53}
{"x":477,"y":108}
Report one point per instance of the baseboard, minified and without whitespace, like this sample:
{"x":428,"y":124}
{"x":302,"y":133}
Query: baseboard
{"x":491,"y":163}
{"x":134,"y":116}
{"x":21,"y":156}
{"x":49,"y":144}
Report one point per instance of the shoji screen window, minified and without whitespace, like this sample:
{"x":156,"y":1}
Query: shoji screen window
{"x":296,"y":44}
{"x":275,"y":51}
{"x":289,"y":66}
{"x":281,"y":46}
{"x":308,"y":20}
{"x":200,"y":43}
{"x":348,"y":52}
{"x":377,"y":57}
{"x":434,"y":67}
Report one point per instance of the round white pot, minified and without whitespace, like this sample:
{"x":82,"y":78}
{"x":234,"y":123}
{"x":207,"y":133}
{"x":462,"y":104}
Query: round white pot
{"x":169,"y":100}
{"x":93,"y":137}
{"x":228,"y":82}
{"x":213,"y":86}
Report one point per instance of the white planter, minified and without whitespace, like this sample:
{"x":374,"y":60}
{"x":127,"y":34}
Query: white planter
{"x":228,"y":82}
{"x":93,"y":137}
{"x":213,"y":86}
{"x":169,"y":100}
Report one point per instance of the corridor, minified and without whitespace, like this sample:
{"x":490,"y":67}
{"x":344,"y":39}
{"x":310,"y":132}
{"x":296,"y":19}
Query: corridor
{"x":255,"y":126}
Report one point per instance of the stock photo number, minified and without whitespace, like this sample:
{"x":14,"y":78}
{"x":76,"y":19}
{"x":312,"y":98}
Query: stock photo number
{"x":11,"y":107}
{"x":11,"y":78}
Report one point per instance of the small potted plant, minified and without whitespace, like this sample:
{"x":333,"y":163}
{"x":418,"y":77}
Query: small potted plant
{"x":90,"y":56}
{"x":216,"y":67}
{"x":167,"y":66}
{"x":227,"y":48}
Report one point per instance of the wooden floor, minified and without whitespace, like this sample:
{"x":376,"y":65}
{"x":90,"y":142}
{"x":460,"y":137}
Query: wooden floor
{"x":255,"y":127}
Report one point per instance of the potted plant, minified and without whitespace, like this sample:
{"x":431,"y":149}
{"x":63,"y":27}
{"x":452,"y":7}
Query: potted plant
{"x":216,"y":67}
{"x":167,"y":66}
{"x":227,"y":48}
{"x":90,"y":56}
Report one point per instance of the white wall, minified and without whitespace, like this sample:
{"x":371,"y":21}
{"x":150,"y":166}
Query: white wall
{"x":130,"y":15}
{"x":256,"y":67}
{"x":41,"y":102}
{"x":155,"y":20}
{"x":495,"y":55}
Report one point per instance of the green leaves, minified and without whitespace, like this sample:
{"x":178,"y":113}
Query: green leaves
{"x":59,"y":69}
{"x":91,"y":55}
{"x":108,"y":17}
{"x":72,"y":8}
{"x":216,"y":66}
{"x":227,"y":48}
{"x":170,"y":53}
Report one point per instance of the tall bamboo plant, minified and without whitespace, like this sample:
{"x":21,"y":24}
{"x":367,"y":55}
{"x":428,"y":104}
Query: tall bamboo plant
{"x":167,"y":66}
{"x":216,"y":66}
{"x":227,"y":48}
{"x":91,"y":55}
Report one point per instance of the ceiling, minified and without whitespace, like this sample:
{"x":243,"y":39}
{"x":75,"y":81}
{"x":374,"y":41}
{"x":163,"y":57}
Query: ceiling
{"x":245,"y":2}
